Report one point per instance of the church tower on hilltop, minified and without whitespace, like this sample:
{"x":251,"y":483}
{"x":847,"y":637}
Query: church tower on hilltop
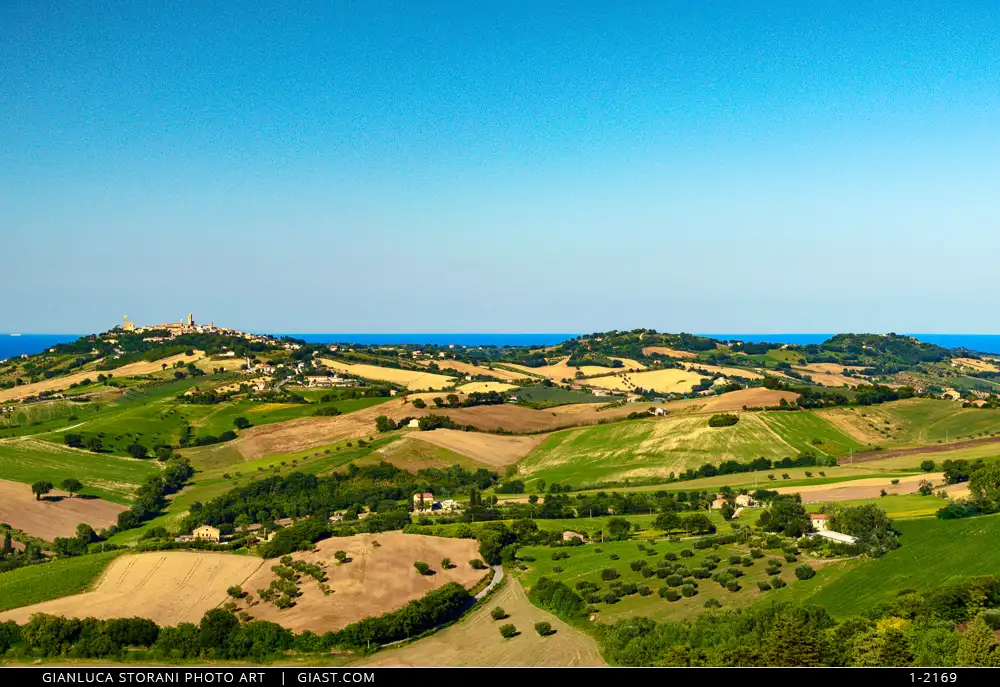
{"x":128,"y":326}
{"x":190,"y":320}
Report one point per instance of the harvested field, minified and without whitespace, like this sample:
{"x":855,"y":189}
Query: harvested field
{"x":210,"y":364}
{"x":866,"y":488}
{"x":490,"y":449}
{"x":664,"y":381}
{"x":515,"y":418}
{"x":631,"y":364}
{"x":560,"y":371}
{"x":758,"y":397}
{"x":309,"y":432}
{"x":411,"y":379}
{"x":60,"y":383}
{"x":168,"y":587}
{"x":669,"y":352}
{"x":977,"y":365}
{"x":469,"y":369}
{"x":475,"y":640}
{"x":830,"y":374}
{"x":409,"y":454}
{"x":729,"y":371}
{"x":484,"y":387}
{"x":56,"y":515}
{"x":377,"y":579}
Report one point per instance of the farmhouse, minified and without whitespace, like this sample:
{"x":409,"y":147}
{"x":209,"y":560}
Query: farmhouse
{"x":207,"y":533}
{"x":568,"y":535}
{"x":423,"y":501}
{"x":717,"y":504}
{"x":450,"y":505}
{"x":819,"y":521}
{"x":414,"y":423}
{"x":745,"y":501}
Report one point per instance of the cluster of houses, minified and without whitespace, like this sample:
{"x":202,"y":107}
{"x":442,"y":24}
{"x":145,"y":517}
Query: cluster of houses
{"x":742,"y":502}
{"x":424,"y":502}
{"x":329,"y":381}
{"x":820,"y":521}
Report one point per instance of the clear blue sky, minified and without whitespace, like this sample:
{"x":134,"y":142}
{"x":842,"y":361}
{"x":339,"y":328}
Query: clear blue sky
{"x":501,"y":167}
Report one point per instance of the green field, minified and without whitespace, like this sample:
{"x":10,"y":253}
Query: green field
{"x":209,"y":483}
{"x":551,"y":396}
{"x":895,"y":506}
{"x":109,"y":477}
{"x":927,"y":421}
{"x":36,"y":583}
{"x":585,"y":563}
{"x":648,"y":449}
{"x":933,"y":553}
{"x":155,"y":416}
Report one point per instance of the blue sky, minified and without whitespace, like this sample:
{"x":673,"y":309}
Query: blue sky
{"x":501,"y":167}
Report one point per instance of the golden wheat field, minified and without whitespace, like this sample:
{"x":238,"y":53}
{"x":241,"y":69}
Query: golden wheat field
{"x":168,"y":587}
{"x":411,"y":379}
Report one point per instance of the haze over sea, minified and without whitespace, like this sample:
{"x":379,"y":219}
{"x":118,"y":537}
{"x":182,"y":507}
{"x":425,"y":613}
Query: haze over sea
{"x":11,"y":346}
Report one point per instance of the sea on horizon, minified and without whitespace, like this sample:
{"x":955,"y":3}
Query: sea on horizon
{"x":15,"y":345}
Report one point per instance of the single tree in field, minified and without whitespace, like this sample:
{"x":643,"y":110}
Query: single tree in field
{"x":8,"y":546}
{"x":446,"y":563}
{"x":39,"y":489}
{"x":241,"y":422}
{"x":71,"y":485}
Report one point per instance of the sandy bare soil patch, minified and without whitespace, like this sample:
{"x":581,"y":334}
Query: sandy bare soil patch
{"x":411,"y":379}
{"x":168,"y":587}
{"x":862,"y":488}
{"x":490,"y":449}
{"x":475,"y":641}
{"x":484,"y":387}
{"x":378,"y":579}
{"x":57,"y":515}
{"x":977,"y":365}
{"x":132,"y":369}
{"x":669,"y":352}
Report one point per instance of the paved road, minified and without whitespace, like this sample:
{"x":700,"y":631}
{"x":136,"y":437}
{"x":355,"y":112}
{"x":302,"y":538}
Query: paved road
{"x":497,"y":576}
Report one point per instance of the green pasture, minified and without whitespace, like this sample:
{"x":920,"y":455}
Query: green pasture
{"x":648,"y":449}
{"x":110,"y":477}
{"x":933,"y":553}
{"x":44,"y":582}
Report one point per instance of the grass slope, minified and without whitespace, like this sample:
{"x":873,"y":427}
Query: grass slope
{"x":110,"y":477}
{"x":648,"y":449}
{"x":37,"y":583}
{"x":933,"y":553}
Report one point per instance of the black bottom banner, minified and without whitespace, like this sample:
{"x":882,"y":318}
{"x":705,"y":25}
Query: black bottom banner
{"x":385,"y":676}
